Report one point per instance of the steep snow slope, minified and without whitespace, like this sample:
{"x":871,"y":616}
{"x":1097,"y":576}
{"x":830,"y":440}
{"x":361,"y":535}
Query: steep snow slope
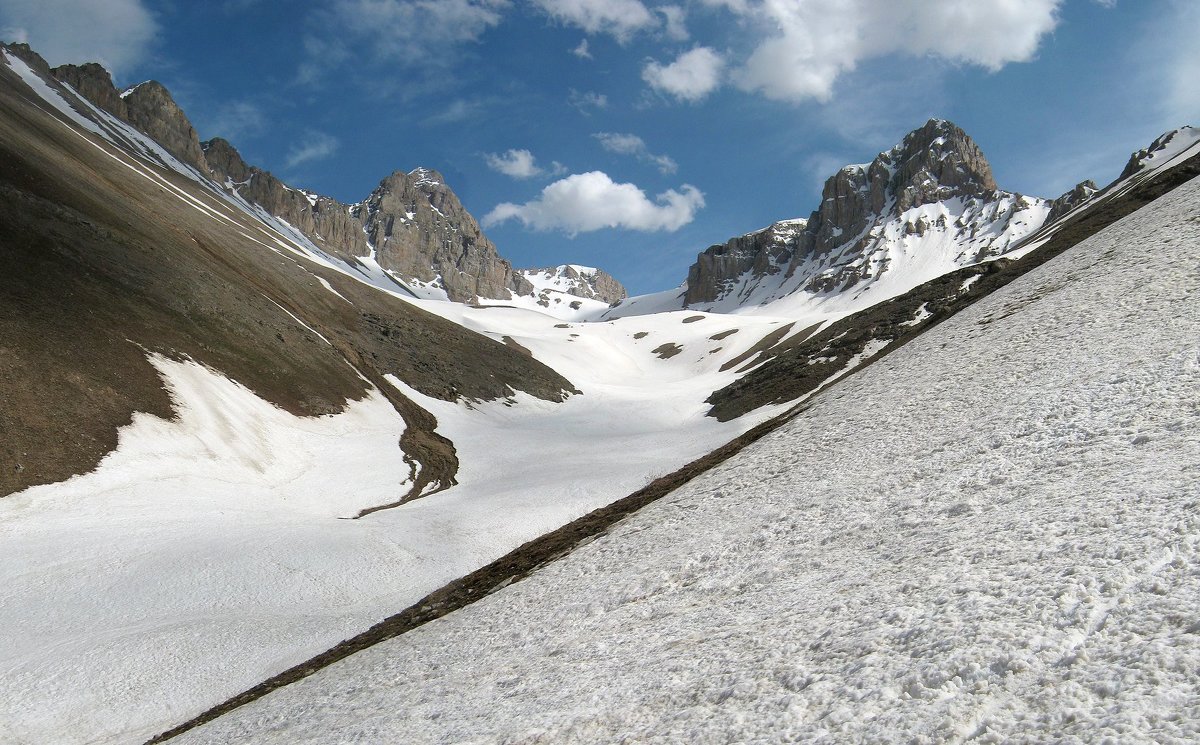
{"x":992,"y":534}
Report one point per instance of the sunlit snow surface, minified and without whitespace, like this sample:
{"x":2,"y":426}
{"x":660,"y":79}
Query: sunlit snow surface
{"x":990,"y":535}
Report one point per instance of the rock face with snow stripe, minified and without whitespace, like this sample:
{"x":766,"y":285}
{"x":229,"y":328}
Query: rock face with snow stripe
{"x":1162,"y":149}
{"x":327,"y":222}
{"x":417,"y":228}
{"x":934,"y":187}
{"x":578,"y":281}
{"x":413,"y":224}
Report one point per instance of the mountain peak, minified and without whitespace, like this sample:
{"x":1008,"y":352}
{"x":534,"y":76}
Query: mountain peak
{"x":936,"y":161}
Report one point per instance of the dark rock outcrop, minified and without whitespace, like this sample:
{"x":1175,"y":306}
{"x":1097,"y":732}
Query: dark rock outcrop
{"x":151,"y":109}
{"x":1082,"y":192}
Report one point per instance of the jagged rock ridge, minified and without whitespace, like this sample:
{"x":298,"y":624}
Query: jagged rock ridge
{"x":413,"y":225}
{"x":936,"y":182}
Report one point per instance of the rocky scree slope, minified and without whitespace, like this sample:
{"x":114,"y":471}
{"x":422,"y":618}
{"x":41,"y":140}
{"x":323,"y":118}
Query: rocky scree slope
{"x":870,"y":216}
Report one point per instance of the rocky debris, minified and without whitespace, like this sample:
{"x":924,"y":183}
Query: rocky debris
{"x":935,"y":163}
{"x":418,"y":228}
{"x":1082,"y":192}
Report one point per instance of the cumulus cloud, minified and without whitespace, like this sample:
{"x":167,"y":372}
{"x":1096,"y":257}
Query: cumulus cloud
{"x":314,"y":146}
{"x":691,"y":77}
{"x":581,"y":51}
{"x":585,"y":202}
{"x":116,"y":33}
{"x":809,"y":43}
{"x":514,"y":163}
{"x":629,"y":144}
{"x":619,"y":18}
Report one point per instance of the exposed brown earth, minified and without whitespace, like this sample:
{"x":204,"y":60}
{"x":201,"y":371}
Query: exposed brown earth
{"x":99,"y":266}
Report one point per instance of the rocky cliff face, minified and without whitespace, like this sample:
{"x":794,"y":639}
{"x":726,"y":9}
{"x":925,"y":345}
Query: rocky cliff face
{"x":418,"y":228}
{"x":413,"y":224}
{"x":151,"y":109}
{"x":936,"y":180}
{"x":1082,"y":192}
{"x":326,"y":222}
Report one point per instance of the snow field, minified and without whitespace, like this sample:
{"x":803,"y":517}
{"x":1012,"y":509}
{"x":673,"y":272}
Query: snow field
{"x":990,"y":535}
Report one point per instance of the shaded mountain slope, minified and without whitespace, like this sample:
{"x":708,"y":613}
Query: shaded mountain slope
{"x":107,"y":257}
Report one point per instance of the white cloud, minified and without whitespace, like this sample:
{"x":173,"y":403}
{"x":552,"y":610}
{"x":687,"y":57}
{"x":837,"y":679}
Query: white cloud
{"x":585,"y":202}
{"x":809,"y":43}
{"x":413,"y":31}
{"x":581,"y":51}
{"x":314,"y":146}
{"x":116,"y":33}
{"x":620,"y":18}
{"x":675,"y":18}
{"x":691,"y":77}
{"x":514,"y":163}
{"x":629,"y":144}
{"x":585,"y":100}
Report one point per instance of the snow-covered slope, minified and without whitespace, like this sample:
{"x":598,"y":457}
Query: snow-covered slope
{"x":990,"y":535}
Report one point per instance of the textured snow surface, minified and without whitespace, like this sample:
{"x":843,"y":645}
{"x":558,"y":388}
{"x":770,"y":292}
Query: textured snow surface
{"x":991,"y":534}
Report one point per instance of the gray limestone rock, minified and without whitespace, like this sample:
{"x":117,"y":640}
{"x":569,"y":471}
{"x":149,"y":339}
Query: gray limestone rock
{"x":934,"y":163}
{"x":1072,"y":199}
{"x":151,"y":109}
{"x":419,"y":229}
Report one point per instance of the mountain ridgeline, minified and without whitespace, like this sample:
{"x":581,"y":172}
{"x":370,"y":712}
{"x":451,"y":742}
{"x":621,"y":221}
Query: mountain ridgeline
{"x":412,"y":225}
{"x":936,"y":186}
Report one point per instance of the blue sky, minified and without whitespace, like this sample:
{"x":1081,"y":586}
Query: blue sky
{"x":631,"y":134}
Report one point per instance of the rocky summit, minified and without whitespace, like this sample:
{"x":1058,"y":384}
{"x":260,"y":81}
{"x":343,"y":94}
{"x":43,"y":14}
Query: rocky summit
{"x":844,"y":240}
{"x":416,"y":227}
